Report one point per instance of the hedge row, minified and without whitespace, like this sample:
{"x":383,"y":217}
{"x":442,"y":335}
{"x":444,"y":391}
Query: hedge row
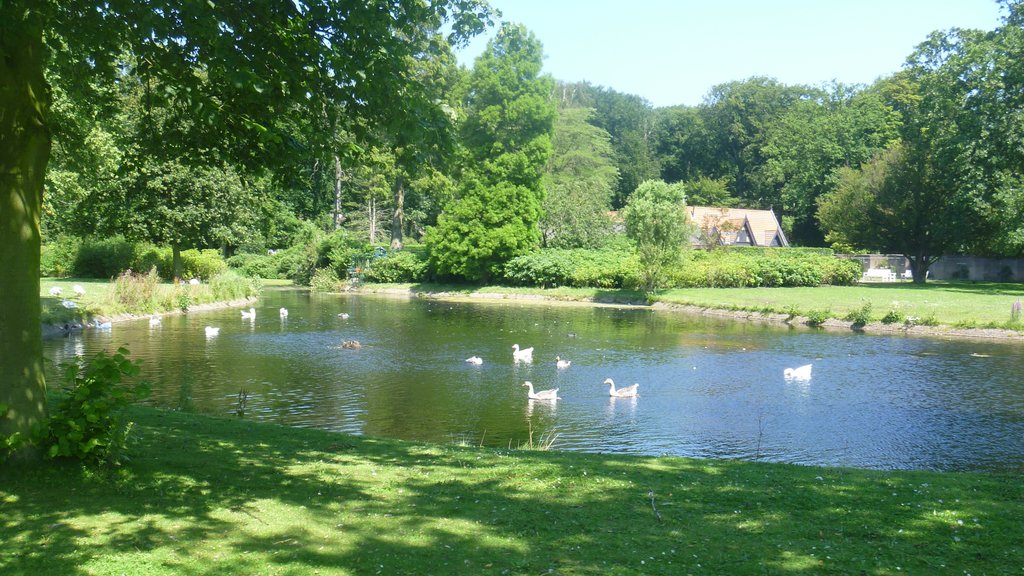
{"x":109,"y":257}
{"x":764,"y":268}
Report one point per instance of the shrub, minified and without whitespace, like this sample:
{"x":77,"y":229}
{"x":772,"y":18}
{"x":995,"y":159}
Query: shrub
{"x":150,"y":256}
{"x":204,"y":264}
{"x":230,"y":285}
{"x":136,"y":291}
{"x":894,"y":316}
{"x":860,"y":316}
{"x":340,"y":251}
{"x":576,"y":268}
{"x":256,"y":265}
{"x":402,"y":266}
{"x":817,"y":317}
{"x":739,"y":267}
{"x":103,"y":257}
{"x":324,"y":280}
{"x":57,"y":258}
{"x":89,"y":424}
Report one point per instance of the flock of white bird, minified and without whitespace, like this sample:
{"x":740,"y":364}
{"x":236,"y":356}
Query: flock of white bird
{"x":798,"y":374}
{"x":526,"y":355}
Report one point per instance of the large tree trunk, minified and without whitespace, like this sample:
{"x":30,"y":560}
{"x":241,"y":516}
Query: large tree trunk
{"x":398,"y":218}
{"x":24,"y":152}
{"x":176,"y":262}
{"x":919,"y":264}
{"x":338,"y":177}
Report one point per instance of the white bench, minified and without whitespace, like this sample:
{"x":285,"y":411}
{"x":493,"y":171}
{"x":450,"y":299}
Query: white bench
{"x":883,"y":274}
{"x":908,"y":274}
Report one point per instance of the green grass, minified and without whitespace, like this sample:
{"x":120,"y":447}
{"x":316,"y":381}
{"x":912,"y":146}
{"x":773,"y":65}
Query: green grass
{"x":973,"y":305}
{"x":960,"y":304}
{"x":207,"y":496}
{"x":99,"y":299}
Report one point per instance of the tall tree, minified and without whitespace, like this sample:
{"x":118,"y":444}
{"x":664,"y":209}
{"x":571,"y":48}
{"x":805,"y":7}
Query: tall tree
{"x":507,"y":134}
{"x":657,"y":223}
{"x":257,"y":61}
{"x":580,"y":180}
{"x":629,"y":119}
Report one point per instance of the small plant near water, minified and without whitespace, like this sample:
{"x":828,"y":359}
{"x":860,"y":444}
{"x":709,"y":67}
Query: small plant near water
{"x":89,"y":424}
{"x":894,"y":316}
{"x":860,"y":316}
{"x":817,"y":317}
{"x":324,"y":280}
{"x":137,"y":291}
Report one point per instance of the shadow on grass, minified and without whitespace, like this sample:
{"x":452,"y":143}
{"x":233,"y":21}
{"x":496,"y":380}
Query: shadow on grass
{"x":983,"y":288}
{"x":209,"y":496}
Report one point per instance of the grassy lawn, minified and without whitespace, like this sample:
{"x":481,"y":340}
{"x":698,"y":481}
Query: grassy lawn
{"x":206,"y":496}
{"x":99,"y":299}
{"x":977,"y":305}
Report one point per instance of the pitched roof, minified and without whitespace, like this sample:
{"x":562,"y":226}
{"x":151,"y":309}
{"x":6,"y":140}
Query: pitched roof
{"x":761,"y":225}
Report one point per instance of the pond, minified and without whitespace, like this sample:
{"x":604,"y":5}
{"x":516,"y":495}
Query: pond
{"x":709,"y":388}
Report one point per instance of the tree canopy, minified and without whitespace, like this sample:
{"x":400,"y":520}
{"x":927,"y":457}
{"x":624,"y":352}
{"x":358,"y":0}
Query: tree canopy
{"x":237,"y":68}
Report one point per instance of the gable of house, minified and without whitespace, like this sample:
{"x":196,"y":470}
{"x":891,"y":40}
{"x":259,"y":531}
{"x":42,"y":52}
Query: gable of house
{"x":738,"y":226}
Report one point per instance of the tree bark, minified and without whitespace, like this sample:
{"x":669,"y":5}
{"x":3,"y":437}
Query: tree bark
{"x":398,"y":218}
{"x":338,"y":177}
{"x":176,"y":262}
{"x":24,"y":153}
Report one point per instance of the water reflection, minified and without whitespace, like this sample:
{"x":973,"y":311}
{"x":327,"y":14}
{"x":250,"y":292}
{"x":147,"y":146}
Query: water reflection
{"x":708,"y":388}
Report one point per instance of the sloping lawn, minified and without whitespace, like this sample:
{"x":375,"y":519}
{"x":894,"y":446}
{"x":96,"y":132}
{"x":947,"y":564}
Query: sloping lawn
{"x":948,"y":303}
{"x":207,"y":496}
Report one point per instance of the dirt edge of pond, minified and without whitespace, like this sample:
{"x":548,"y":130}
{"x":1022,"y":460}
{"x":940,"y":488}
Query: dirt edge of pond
{"x":796,"y":322}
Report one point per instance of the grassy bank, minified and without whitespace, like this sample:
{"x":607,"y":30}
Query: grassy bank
{"x":206,"y":496}
{"x":966,"y":305}
{"x":137,"y":295}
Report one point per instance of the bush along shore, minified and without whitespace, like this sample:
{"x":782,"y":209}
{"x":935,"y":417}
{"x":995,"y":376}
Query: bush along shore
{"x":205,"y":495}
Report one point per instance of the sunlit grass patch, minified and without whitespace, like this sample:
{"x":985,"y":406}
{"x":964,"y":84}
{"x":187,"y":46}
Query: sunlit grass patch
{"x":219,"y":496}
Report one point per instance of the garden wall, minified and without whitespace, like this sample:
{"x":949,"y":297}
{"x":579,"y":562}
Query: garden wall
{"x":950,"y":267}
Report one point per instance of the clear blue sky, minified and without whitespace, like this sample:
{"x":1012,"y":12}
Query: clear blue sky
{"x":673,"y":51}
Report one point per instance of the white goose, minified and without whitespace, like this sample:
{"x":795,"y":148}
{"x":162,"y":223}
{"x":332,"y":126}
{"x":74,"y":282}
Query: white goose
{"x":631,"y":391}
{"x":249,"y":315}
{"x":283,"y":312}
{"x":542,"y":395}
{"x":78,"y":290}
{"x":343,"y":316}
{"x":212,"y":331}
{"x":800,"y":373}
{"x":475,"y":360}
{"x":56,"y":291}
{"x":559,"y":363}
{"x":524,"y":355}
{"x":154,"y":321}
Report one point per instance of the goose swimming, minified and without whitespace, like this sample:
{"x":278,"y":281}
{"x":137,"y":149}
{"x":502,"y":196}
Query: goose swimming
{"x":524,"y":355}
{"x":800,"y":373}
{"x":631,"y":391}
{"x":551,"y":394}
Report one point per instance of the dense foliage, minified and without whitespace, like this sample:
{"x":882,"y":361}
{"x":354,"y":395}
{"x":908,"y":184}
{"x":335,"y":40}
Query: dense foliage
{"x":657,"y":223}
{"x":549,"y":268}
{"x":763,"y":267}
{"x":89,"y":423}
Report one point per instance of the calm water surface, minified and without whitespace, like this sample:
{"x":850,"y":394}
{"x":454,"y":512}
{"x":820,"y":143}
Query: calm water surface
{"x":708,"y":388}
